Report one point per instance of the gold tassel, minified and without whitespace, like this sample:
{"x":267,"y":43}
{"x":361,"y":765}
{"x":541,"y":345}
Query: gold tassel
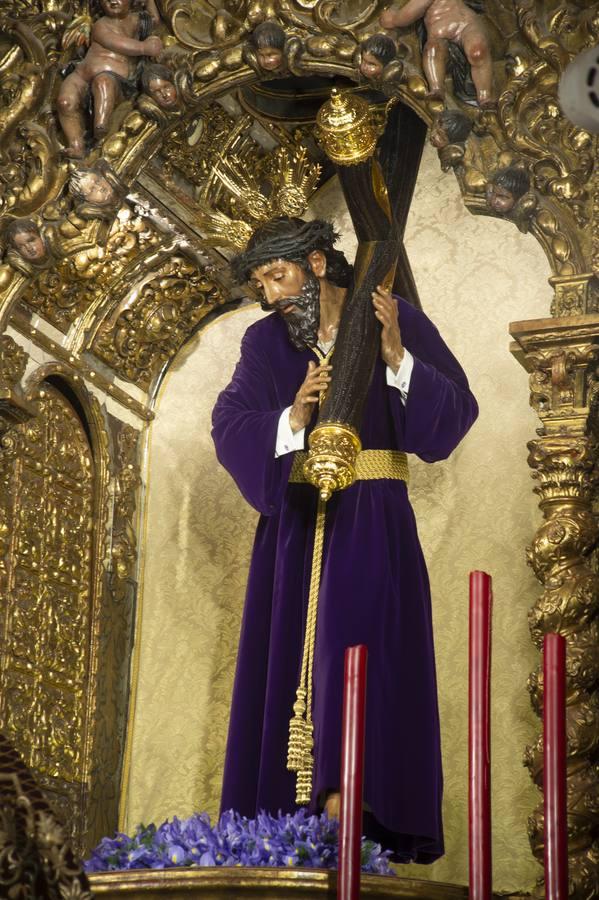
{"x":300,"y":755}
{"x":297,"y":733}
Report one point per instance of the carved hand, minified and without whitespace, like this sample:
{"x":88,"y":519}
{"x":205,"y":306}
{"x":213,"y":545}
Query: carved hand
{"x":385,"y":309}
{"x":317,"y":379}
{"x":152,"y":46}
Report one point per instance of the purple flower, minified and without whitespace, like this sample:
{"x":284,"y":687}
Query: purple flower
{"x":282,"y":840}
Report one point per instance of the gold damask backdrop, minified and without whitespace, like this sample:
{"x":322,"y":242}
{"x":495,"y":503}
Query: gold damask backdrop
{"x":476,"y":510}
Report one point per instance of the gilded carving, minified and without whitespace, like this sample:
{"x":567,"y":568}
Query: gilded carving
{"x":449,"y":132}
{"x":28,"y":247}
{"x":268,"y":50}
{"x":560,"y":358}
{"x":572,"y":296}
{"x":595,"y":218}
{"x":193,"y":147}
{"x":160,"y":99}
{"x":13,"y":362}
{"x":59,"y":296}
{"x":107,"y":71}
{"x":124,"y":542}
{"x":28,"y":164}
{"x":331,"y":462}
{"x":563,"y":461}
{"x":46,"y":491}
{"x":64,"y":292}
{"x":153,"y":325}
{"x":204,"y":52}
{"x":14,"y":408}
{"x":378,"y":60}
{"x":97,"y":192}
{"x":69,"y":728}
{"x":569,"y":604}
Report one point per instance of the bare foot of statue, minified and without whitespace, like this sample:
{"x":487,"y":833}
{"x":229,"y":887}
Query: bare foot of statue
{"x":332,"y":806}
{"x":75,"y":151}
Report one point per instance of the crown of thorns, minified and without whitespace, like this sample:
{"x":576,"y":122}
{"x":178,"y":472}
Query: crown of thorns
{"x":284,"y":237}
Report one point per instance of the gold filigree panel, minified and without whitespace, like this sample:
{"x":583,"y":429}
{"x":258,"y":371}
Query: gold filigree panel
{"x":59,"y":296}
{"x":63,"y":292}
{"x":46,"y":494}
{"x":155,"y":321}
{"x":193,"y":147}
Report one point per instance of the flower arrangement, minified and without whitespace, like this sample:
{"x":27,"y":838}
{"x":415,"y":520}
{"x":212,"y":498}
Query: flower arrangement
{"x":283,"y":840}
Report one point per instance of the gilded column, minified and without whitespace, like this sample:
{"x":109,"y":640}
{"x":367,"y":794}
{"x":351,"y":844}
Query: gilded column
{"x":14,"y":408}
{"x":560,"y":355}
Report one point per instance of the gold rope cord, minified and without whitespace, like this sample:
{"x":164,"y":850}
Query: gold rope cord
{"x":371,"y":464}
{"x":300,"y":757}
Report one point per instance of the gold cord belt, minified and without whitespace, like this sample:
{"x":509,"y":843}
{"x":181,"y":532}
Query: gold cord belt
{"x":370,"y":464}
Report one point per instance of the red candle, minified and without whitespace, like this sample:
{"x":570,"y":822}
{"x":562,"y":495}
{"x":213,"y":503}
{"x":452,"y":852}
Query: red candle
{"x":479,"y":737}
{"x":352,"y":772}
{"x":554,"y":768}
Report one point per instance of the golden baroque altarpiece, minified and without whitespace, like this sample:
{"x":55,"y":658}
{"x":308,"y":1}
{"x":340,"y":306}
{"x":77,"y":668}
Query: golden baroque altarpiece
{"x":111,"y":236}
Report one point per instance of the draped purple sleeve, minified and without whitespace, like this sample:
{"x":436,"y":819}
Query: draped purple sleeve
{"x":440,"y":408}
{"x":244,"y":429}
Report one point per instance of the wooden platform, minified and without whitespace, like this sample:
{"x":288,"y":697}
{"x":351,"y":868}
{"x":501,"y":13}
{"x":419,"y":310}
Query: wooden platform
{"x":218,"y":883}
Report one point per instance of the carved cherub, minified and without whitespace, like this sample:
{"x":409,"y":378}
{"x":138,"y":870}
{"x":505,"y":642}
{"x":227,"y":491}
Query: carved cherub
{"x":377,"y":59}
{"x":448,"y":22}
{"x":107,"y":70}
{"x":449,"y":131}
{"x":28,"y":250}
{"x":268,"y":49}
{"x":158,"y":83}
{"x":509,"y":194}
{"x":96,"y":190}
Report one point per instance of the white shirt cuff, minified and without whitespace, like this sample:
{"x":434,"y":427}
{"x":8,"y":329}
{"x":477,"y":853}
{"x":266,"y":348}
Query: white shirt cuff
{"x":287,"y":440}
{"x":401,"y":380}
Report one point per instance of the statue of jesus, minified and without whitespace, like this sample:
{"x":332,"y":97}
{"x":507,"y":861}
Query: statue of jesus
{"x":374,"y":587}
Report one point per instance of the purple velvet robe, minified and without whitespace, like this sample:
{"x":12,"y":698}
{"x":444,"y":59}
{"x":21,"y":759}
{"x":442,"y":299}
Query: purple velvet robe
{"x":374,"y":589}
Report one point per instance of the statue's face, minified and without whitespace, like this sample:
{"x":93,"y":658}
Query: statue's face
{"x":438,"y":136}
{"x":295,"y":294}
{"x":96,"y":189}
{"x":499,"y":199}
{"x":163,"y":92}
{"x":278,"y":281}
{"x":371,"y":66}
{"x":116,"y":8}
{"x":269,"y":58}
{"x":30,"y":245}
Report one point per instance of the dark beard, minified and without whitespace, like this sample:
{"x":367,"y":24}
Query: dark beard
{"x":302,"y":324}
